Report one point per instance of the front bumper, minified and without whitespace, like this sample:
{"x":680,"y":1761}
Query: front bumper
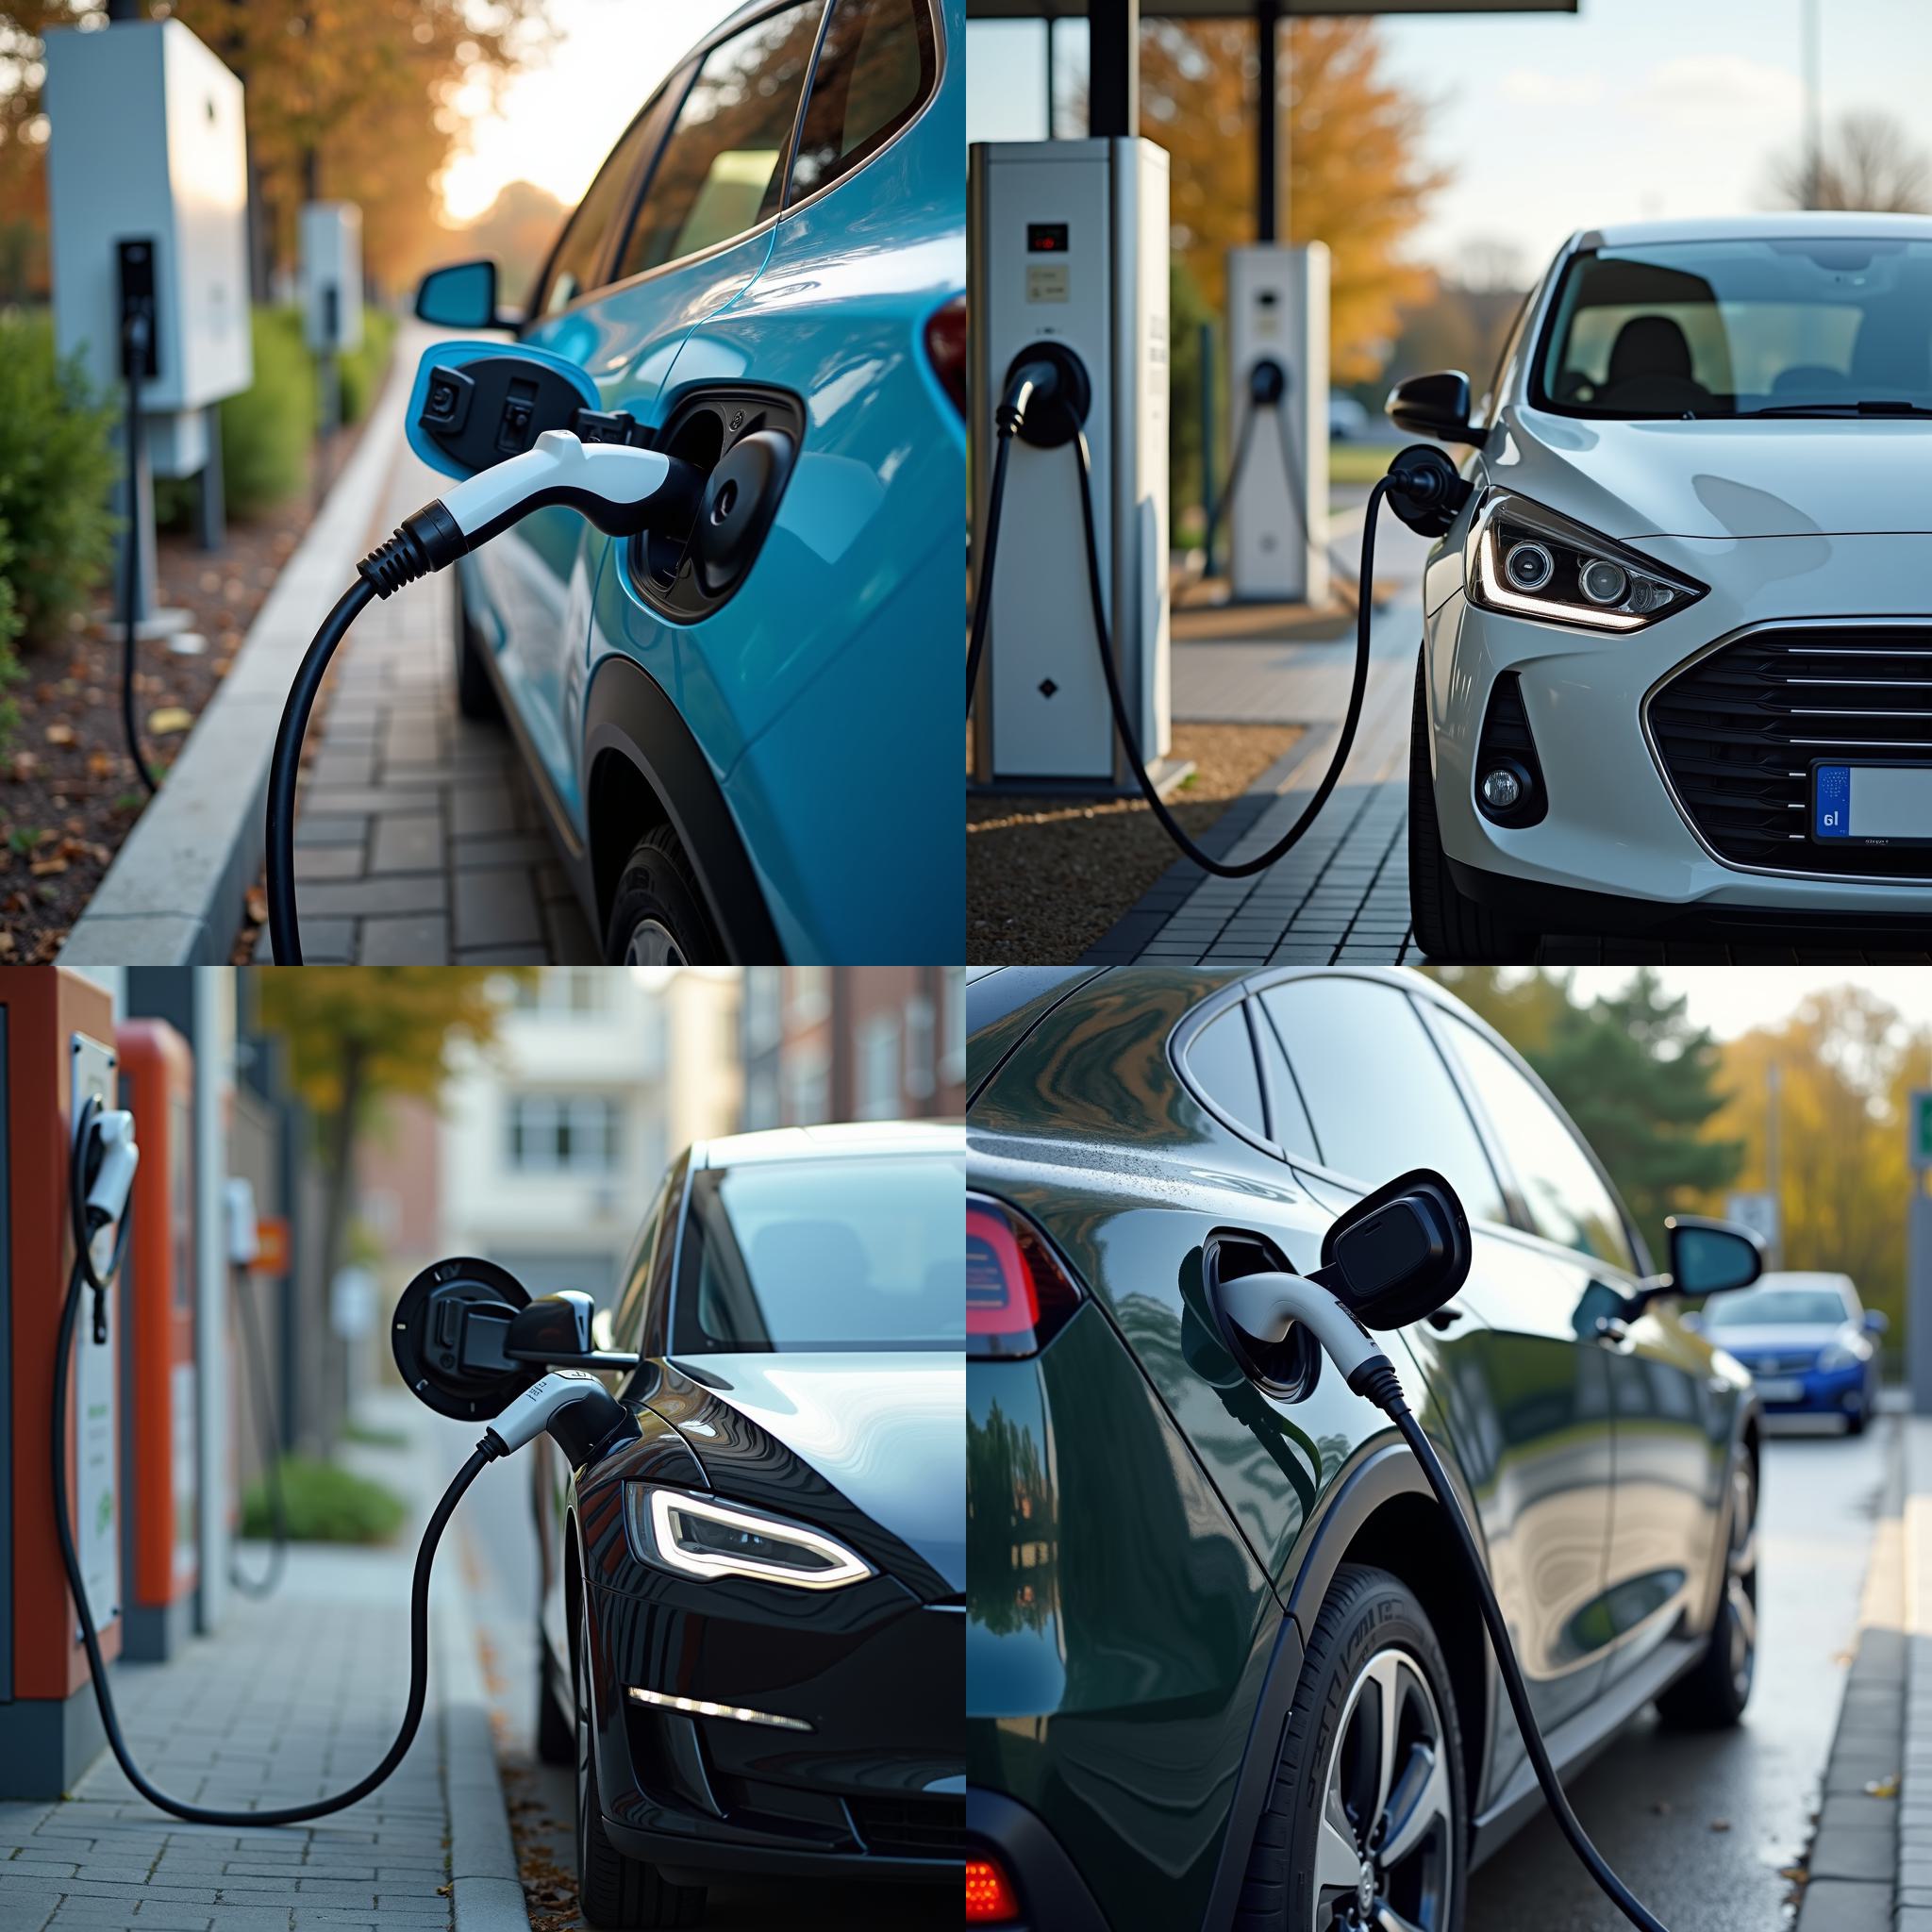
{"x":1820,"y":1391}
{"x":1614,"y":831}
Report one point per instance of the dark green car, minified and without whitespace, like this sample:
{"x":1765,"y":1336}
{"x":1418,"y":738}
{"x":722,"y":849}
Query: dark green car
{"x":1221,"y":1668}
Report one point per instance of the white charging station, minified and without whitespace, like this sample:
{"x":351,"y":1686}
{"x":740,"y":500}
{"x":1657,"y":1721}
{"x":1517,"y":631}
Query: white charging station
{"x":1068,"y":243}
{"x":148,"y":182}
{"x":1278,"y":311}
{"x":331,"y":239}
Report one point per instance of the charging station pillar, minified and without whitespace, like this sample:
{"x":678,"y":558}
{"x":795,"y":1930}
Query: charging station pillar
{"x":159,"y":1464}
{"x":56,"y":1047}
{"x":1277,"y":326}
{"x":1068,"y":243}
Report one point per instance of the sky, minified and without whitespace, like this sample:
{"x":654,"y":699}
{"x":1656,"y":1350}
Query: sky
{"x":1731,"y":1000}
{"x":560,"y":117}
{"x":1623,"y":110}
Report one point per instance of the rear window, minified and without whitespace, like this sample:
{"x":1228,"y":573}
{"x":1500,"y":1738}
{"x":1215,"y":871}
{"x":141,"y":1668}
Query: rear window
{"x":824,"y":1254}
{"x":878,"y":66}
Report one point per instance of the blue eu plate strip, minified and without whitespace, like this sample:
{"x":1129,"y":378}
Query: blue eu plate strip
{"x":1831,"y":801}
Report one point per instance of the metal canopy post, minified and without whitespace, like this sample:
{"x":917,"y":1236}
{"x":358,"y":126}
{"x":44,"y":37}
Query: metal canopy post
{"x":1113,"y":66}
{"x":1268,"y":122}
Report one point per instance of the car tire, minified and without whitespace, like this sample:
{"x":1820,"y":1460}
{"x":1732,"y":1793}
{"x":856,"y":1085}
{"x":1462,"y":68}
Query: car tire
{"x":1372,"y":1639}
{"x":556,"y":1731}
{"x":1712,"y":1696}
{"x":1450,"y":926}
{"x":658,"y":916}
{"x":614,"y":1890}
{"x":475,"y":690}
{"x":1856,"y":1419}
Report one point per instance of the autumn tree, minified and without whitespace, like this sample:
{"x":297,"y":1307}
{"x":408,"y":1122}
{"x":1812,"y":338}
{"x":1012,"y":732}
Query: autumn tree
{"x":1868,"y":164}
{"x":1353,"y":174}
{"x":357,"y":1034}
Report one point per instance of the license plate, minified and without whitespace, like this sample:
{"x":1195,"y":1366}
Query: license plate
{"x":1781,"y":1389}
{"x":1871,"y":805}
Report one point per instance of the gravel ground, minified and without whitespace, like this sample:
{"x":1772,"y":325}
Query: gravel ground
{"x":1047,"y":878}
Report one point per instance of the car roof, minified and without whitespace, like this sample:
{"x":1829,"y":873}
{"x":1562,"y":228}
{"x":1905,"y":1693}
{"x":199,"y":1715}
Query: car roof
{"x":1795,"y":224}
{"x":853,"y":1140}
{"x":1804,"y":1278}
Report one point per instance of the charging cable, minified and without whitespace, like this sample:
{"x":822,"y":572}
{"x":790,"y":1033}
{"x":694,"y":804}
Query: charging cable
{"x":1420,"y":482}
{"x":1266,"y":1307}
{"x":134,"y":341}
{"x":569,"y":1402}
{"x":1267,"y":389}
{"x":622,"y":489}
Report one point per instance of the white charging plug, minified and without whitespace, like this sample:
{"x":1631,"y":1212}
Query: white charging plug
{"x":113,"y":1179}
{"x":1267,"y":1306}
{"x":238,"y":1206}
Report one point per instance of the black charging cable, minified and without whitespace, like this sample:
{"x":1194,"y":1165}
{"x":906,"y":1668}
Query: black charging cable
{"x":134,"y":338}
{"x":269,"y":1446}
{"x":86,"y":1276}
{"x":1267,"y":389}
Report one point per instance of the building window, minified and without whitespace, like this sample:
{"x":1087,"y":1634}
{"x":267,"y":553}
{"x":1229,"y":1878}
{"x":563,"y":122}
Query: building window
{"x":564,"y":1133}
{"x":808,"y":1075}
{"x":810,"y":999}
{"x":572,"y":992}
{"x":878,"y":1067}
{"x":764,"y":1015}
{"x":952,"y":1027}
{"x":920,"y":1082}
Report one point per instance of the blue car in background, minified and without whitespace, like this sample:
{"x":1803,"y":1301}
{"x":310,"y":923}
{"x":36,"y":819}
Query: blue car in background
{"x":749,"y":758}
{"x":1808,"y":1341}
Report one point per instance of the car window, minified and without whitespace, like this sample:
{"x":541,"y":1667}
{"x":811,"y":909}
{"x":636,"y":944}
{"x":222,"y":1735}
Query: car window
{"x":575,"y":264}
{"x":878,"y":65}
{"x":1222,"y":1059}
{"x":1775,"y":1308}
{"x":722,"y":168}
{"x":1376,"y":1091}
{"x":1287,"y":1117}
{"x":1567,"y":1199}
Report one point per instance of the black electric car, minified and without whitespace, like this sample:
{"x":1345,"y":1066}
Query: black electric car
{"x":1224,"y":1668}
{"x":752,"y":1617}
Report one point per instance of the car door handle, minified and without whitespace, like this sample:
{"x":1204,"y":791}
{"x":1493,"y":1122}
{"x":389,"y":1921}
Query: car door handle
{"x":1611,"y":1332}
{"x":1446,"y":1316}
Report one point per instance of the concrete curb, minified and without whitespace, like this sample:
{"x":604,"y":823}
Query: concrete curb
{"x":486,"y":1890}
{"x":173,"y":894}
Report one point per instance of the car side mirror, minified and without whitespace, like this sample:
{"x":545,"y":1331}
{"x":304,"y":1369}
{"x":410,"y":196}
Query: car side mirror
{"x":1877,"y":1321}
{"x":463,"y":295}
{"x":560,"y":1331}
{"x":1711,"y":1256}
{"x":1397,"y":1255}
{"x":1437,"y":405}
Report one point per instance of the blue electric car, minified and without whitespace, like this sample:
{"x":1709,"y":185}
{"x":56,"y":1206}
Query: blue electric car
{"x":748,"y":751}
{"x":1808,"y":1341}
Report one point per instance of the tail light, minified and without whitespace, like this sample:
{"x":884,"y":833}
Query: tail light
{"x":945,"y":348}
{"x":1018,"y":1296}
{"x":990,"y":1899}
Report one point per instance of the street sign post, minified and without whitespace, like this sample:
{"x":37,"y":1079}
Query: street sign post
{"x":1758,"y":1212}
{"x":1920,"y":1125}
{"x":1919,"y":1251}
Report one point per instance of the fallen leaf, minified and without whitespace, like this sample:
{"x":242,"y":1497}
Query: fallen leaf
{"x":26,"y":763}
{"x":1883,"y":1786}
{"x":99,"y":763}
{"x":45,"y":868}
{"x":59,"y":734}
{"x":258,"y":906}
{"x":6,"y":946}
{"x":169,"y":719}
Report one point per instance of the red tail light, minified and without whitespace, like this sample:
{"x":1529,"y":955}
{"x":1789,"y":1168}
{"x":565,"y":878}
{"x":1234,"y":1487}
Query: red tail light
{"x":945,"y":348}
{"x":990,"y":1899}
{"x":1017,"y":1297}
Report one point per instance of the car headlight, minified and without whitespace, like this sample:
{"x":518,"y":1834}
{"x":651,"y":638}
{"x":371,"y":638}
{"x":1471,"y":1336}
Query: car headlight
{"x":699,"y":1536}
{"x":1838,"y":1355}
{"x":1527,"y":561}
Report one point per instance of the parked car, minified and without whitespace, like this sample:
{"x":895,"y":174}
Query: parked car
{"x":1672,"y":673}
{"x":777,"y":243}
{"x":1808,"y":1341}
{"x":1221,"y":1667}
{"x":752,"y":1644}
{"x":1348,"y":422}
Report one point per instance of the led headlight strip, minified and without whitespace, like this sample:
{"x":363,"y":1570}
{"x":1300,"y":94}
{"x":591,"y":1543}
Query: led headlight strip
{"x":703,"y":1707}
{"x":698,"y":1537}
{"x":1529,"y":561}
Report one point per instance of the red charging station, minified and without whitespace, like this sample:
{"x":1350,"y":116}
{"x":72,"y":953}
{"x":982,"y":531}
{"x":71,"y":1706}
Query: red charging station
{"x":57,"y":1046}
{"x":158,"y":1352}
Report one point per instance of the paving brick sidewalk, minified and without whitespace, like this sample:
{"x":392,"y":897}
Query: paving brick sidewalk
{"x":295,"y":1697}
{"x":417,"y":839}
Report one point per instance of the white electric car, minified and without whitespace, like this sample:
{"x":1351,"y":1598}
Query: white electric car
{"x":1676,"y":663}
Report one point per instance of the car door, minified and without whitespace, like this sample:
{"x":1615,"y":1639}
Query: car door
{"x":1527,"y":1405}
{"x":1671,"y":1435}
{"x":677,"y":226}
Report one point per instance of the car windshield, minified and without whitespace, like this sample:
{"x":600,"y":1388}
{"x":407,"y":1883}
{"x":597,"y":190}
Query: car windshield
{"x":1775,"y":1307}
{"x":847,"y":1254}
{"x":1776,"y":327}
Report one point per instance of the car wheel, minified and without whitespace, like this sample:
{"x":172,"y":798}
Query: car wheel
{"x":475,"y":693}
{"x":658,"y":917}
{"x":557,"y":1733}
{"x":1367,"y":1816}
{"x":1449,"y":926}
{"x":1856,"y":1418}
{"x":612,"y":1889}
{"x":1712,"y":1697}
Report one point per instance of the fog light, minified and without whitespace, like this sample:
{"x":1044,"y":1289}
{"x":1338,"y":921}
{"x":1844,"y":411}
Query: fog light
{"x":990,"y":1899}
{"x":1604,"y":582}
{"x":1528,"y":566}
{"x":1501,"y":789}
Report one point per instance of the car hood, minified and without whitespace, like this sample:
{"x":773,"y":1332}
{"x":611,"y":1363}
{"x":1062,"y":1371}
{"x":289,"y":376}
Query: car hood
{"x":869,"y":1445}
{"x":1791,"y":478}
{"x":1784,"y":1339}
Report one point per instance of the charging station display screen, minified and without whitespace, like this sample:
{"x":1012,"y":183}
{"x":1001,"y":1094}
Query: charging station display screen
{"x":1046,"y":238}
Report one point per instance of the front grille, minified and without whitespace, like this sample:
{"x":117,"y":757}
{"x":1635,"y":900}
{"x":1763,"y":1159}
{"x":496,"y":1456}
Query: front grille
{"x":1738,"y":731}
{"x":1784,"y":1364}
{"x":911,"y":1827}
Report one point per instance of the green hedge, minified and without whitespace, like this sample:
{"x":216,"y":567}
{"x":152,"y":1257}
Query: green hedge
{"x":326,"y":1505}
{"x":362,"y":371}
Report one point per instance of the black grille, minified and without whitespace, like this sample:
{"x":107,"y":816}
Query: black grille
{"x":1506,"y":734}
{"x":1738,"y":730}
{"x":911,"y":1827}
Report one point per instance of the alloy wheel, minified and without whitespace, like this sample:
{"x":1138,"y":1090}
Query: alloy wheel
{"x":652,"y":944}
{"x":1385,"y":1857}
{"x":1740,"y":1578}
